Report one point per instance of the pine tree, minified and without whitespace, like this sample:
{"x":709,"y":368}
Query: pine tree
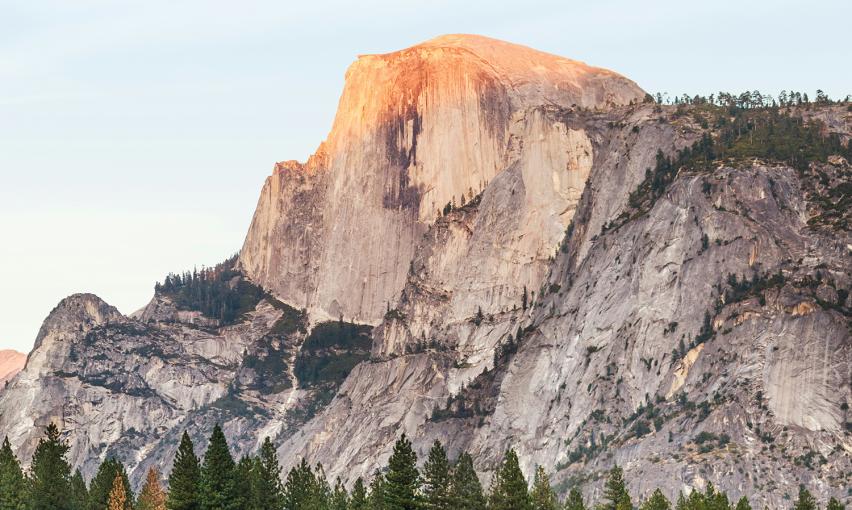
{"x":339,"y":497}
{"x":696,"y":500}
{"x":574,"y":501}
{"x":402,"y":480}
{"x":715,"y":500}
{"x":376,"y":501}
{"x":267,"y":489}
{"x":436,"y":479}
{"x":151,"y":497}
{"x":117,"y":496}
{"x":657,"y":501}
{"x":185,"y":478}
{"x":509,"y":489}
{"x":805,"y":501}
{"x":245,"y":473}
{"x":300,"y":488}
{"x":358,"y":500}
{"x":50,"y":479}
{"x":79,"y":492}
{"x":681,"y":501}
{"x":217,"y":474}
{"x":615,"y":491}
{"x":625,"y":504}
{"x":833,"y":504}
{"x":465,"y":489}
{"x":743,"y":504}
{"x":102,"y":484}
{"x":542,"y":495}
{"x":13,"y":488}
{"x":322,"y":490}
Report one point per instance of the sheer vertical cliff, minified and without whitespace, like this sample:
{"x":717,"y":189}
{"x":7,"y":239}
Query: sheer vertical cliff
{"x":415,"y":130}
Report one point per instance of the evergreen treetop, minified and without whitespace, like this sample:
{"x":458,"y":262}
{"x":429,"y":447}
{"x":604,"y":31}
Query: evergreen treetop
{"x":574,"y":501}
{"x":322,"y":489}
{"x":376,"y":500}
{"x":79,"y":492}
{"x":833,"y":504}
{"x":542,"y":495}
{"x":509,"y":489}
{"x":103,"y":481}
{"x":358,"y":500}
{"x":615,"y":491}
{"x":13,"y":487}
{"x":657,"y":501}
{"x":465,"y":488}
{"x":743,"y":504}
{"x":268,"y":488}
{"x":339,"y":498}
{"x":805,"y":501}
{"x":217,"y":490}
{"x":402,"y":479}
{"x":50,"y":478}
{"x":436,"y":479}
{"x":185,"y":478}
{"x":300,"y":491}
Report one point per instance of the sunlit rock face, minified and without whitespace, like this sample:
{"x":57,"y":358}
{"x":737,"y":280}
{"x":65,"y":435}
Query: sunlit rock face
{"x":11,"y":362}
{"x":415,"y":130}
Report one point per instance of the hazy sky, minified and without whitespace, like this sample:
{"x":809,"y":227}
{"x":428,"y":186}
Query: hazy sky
{"x":135,"y":136}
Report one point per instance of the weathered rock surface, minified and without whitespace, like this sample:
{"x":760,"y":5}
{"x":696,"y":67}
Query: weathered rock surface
{"x":116,"y":382}
{"x":598,"y":340}
{"x":704,"y":338}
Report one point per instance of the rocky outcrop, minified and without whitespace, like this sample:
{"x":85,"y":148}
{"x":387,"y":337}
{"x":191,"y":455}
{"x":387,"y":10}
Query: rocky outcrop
{"x":129,"y":387}
{"x":115,"y":382}
{"x":11,"y":362}
{"x":595,"y":362}
{"x":472,"y":256}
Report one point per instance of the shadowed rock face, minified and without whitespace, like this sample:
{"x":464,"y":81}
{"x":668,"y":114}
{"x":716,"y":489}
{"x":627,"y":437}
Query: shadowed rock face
{"x":604,"y":363}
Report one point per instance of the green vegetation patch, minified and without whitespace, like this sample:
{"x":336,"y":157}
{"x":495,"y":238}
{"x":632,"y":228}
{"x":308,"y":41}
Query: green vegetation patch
{"x":291,"y":321}
{"x":331,"y":351}
{"x":739,"y":133}
{"x":220,"y":292}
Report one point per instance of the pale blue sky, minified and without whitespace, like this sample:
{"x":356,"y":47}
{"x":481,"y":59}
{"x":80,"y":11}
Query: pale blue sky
{"x":135,"y":135}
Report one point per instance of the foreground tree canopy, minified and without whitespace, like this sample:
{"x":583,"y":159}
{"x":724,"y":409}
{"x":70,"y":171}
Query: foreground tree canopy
{"x":218,"y":482}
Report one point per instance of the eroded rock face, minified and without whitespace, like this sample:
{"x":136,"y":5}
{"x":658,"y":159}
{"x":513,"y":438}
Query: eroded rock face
{"x":541,"y":311}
